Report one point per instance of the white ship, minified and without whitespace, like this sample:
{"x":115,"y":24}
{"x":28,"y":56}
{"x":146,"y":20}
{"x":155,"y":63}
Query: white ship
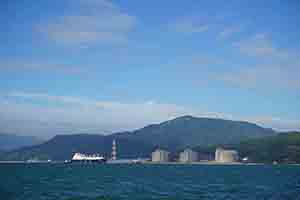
{"x":79,"y":157}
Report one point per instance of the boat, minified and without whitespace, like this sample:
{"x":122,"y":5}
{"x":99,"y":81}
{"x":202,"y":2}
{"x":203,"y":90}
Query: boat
{"x":79,"y":157}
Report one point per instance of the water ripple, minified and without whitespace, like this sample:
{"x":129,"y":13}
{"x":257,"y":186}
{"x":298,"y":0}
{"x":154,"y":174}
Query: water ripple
{"x":67,"y":182}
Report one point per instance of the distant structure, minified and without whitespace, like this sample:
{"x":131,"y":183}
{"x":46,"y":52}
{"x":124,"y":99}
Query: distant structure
{"x":79,"y":157}
{"x":160,"y":155}
{"x":226,"y":156}
{"x":188,"y":155}
{"x":218,"y":153}
{"x":114,"y":150}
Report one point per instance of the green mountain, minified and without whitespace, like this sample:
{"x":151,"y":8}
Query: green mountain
{"x":282,"y":148}
{"x":10,"y":141}
{"x":186,"y":131}
{"x":191,"y":131}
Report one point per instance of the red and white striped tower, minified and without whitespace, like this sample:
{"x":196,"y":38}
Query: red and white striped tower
{"x":114,"y":150}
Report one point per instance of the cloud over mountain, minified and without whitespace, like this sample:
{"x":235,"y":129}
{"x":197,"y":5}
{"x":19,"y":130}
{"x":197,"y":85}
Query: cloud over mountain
{"x":89,"y":22}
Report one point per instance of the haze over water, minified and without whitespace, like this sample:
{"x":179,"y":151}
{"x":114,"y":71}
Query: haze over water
{"x":76,"y":182}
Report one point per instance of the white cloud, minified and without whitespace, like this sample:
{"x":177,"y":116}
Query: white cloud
{"x":278,"y":123}
{"x":260,"y":45}
{"x":66,"y":115}
{"x":246,"y":78}
{"x":40,"y":66}
{"x":105,"y":4}
{"x":41,"y":96}
{"x":275,"y":68}
{"x":74,"y":114}
{"x":90,"y":22}
{"x":271,"y":78}
{"x":189,"y":25}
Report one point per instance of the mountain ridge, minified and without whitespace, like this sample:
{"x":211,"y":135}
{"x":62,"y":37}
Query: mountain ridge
{"x":174,"y":134}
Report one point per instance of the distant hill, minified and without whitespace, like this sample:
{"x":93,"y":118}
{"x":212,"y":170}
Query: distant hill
{"x":62,"y":147}
{"x":283,"y":148}
{"x":10,"y":141}
{"x":191,"y":131}
{"x":186,"y":131}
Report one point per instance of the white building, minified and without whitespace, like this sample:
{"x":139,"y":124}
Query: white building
{"x":188,"y":155}
{"x":218,"y":153}
{"x":160,"y":155}
{"x":226,"y":156}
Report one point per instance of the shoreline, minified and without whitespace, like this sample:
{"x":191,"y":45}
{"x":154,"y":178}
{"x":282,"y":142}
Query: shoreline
{"x":153,"y":163}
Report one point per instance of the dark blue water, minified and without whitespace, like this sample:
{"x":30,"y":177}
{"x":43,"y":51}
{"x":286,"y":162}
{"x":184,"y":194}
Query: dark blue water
{"x":75,"y":182}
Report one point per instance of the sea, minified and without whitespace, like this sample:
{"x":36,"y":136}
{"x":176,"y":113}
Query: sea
{"x":145,"y":181}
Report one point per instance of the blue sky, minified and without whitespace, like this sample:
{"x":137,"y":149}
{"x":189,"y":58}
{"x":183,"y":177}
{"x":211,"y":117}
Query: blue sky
{"x":100,"y":66}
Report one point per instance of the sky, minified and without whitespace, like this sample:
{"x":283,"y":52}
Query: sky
{"x":101,"y":66}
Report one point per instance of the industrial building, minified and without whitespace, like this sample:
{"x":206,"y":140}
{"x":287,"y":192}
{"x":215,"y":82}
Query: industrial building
{"x":226,"y":156}
{"x":160,"y":155}
{"x":114,"y":150}
{"x":188,"y":155}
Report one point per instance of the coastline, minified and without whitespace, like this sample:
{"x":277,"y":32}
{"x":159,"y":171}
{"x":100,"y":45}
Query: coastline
{"x":155,"y":163}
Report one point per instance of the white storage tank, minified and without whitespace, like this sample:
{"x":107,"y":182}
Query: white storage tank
{"x":226,"y":156}
{"x":160,"y":155}
{"x":188,"y":155}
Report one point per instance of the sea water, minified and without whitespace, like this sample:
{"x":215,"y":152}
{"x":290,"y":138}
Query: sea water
{"x":100,"y":181}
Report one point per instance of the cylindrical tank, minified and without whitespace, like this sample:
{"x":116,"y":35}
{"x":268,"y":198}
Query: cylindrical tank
{"x":218,"y":153}
{"x":228,"y":156}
